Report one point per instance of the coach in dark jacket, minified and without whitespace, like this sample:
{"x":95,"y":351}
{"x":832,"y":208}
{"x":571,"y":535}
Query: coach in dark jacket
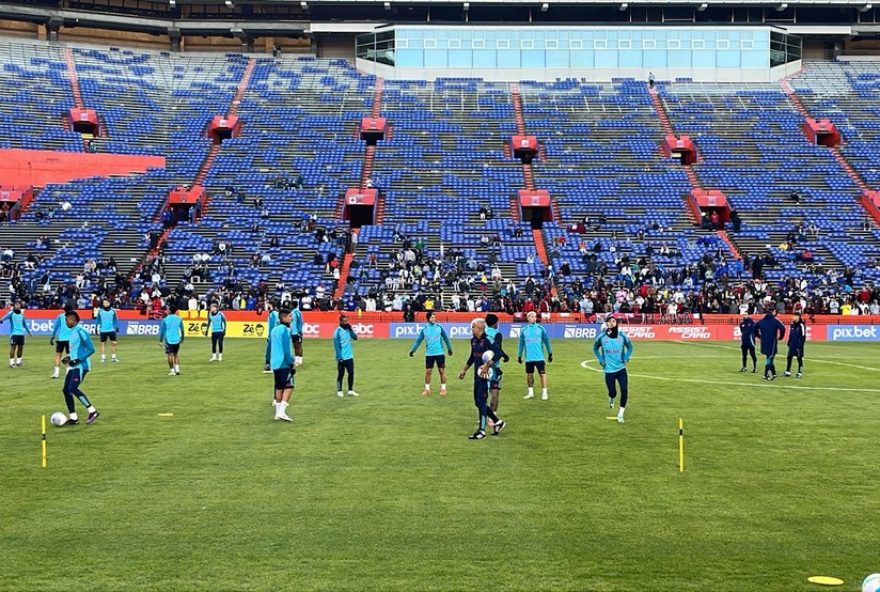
{"x":770,"y":331}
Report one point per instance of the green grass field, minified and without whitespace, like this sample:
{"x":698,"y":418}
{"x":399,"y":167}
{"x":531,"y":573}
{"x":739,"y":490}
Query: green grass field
{"x":385,"y":492}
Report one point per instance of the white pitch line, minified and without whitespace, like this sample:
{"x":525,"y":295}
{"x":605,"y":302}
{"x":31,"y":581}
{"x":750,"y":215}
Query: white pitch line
{"x":587,"y":365}
{"x":733,"y":347}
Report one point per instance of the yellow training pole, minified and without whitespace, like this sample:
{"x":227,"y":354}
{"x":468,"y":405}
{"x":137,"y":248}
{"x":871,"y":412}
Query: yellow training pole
{"x":43,"y":439}
{"x":680,"y":445}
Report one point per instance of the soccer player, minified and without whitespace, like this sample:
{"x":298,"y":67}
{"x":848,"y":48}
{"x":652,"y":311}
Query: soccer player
{"x":16,"y":334}
{"x":770,"y":331}
{"x":296,"y":332}
{"x":171,"y":332}
{"x":272,"y":320}
{"x":613,"y":349}
{"x":797,"y":338}
{"x":60,"y":338}
{"x":495,"y":337}
{"x":435,"y":339}
{"x":532,"y":340}
{"x":78,"y":365}
{"x":107,"y":323}
{"x":342,"y":338}
{"x":483,"y":375}
{"x":281,"y":363}
{"x":217,"y":326}
{"x":747,"y":342}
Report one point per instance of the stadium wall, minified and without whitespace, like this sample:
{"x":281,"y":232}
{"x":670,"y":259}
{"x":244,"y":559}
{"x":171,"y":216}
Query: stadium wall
{"x":322,"y":325}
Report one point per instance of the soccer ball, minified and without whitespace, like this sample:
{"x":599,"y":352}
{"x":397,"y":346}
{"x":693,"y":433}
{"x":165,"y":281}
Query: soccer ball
{"x":871,"y":583}
{"x":58,"y":419}
{"x":488,"y":355}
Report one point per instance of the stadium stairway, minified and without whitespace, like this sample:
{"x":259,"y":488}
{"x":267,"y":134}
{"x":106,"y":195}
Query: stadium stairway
{"x":528,"y":173}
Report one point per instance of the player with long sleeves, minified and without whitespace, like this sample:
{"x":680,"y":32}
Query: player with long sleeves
{"x":797,"y":339}
{"x":60,"y":338}
{"x":497,"y":339}
{"x":172,"y":334}
{"x":296,"y":333}
{"x":281,"y":362}
{"x":108,"y":327}
{"x":613,"y":349}
{"x":342,"y":347}
{"x":272,"y":321}
{"x":770,"y":331}
{"x":217,"y":327}
{"x":78,"y":365}
{"x":483,"y":376}
{"x":533,"y":340}
{"x":747,"y":342}
{"x":435,"y":339}
{"x":18,"y":327}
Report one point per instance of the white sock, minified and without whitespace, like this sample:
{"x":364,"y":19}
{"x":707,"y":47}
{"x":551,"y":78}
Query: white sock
{"x":91,"y":409}
{"x":177,"y":367}
{"x":298,"y":360}
{"x":57,"y":370}
{"x":18,"y":361}
{"x":103,"y":357}
{"x":428,"y":387}
{"x":12,"y":361}
{"x":620,"y":411}
{"x":543,"y":391}
{"x":443,"y":386}
{"x":114,"y":356}
{"x":219,"y":356}
{"x":531,"y":390}
{"x":213,"y":356}
{"x":73,"y":416}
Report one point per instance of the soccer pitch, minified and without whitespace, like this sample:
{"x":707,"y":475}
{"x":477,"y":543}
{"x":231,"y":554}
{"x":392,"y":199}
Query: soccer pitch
{"x":385,"y":491}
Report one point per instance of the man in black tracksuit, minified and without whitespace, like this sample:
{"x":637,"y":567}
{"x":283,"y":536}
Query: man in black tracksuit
{"x":747,"y":342}
{"x":797,"y":337}
{"x":770,"y":331}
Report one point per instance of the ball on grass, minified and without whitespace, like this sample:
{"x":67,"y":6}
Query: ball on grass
{"x":58,"y":419}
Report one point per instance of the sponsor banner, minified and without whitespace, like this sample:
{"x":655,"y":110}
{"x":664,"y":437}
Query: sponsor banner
{"x":509,"y":331}
{"x":853,"y":333}
{"x":412,"y":330}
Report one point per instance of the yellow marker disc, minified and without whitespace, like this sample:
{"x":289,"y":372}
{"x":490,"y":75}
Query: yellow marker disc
{"x":166,"y":415}
{"x":825,"y":581}
{"x":612,"y":417}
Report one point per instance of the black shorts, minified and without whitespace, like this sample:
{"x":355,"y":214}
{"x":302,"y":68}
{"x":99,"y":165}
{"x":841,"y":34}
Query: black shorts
{"x":297,"y":338}
{"x":172,"y":348}
{"x":110,"y":335}
{"x":283,"y":378}
{"x":531,"y":366}
{"x":439,"y":360}
{"x":796,"y":351}
{"x":747,"y":347}
{"x":62,"y":347}
{"x":16,"y":340}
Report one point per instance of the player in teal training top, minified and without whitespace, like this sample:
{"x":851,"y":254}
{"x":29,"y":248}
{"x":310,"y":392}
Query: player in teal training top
{"x":272,"y":321}
{"x":296,"y":333}
{"x":281,"y":362}
{"x":613,"y":349}
{"x":342,"y":347}
{"x":18,"y":328}
{"x":217,"y":327}
{"x":435,"y":339}
{"x":108,"y":327}
{"x":533,"y":340}
{"x":60,"y":338}
{"x":78,"y":365}
{"x":171,"y":332}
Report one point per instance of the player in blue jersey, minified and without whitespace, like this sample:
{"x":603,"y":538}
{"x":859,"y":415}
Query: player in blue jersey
{"x":272,"y":321}
{"x":435,"y":339}
{"x":60,"y":338}
{"x":747,"y":342}
{"x":281,"y":363}
{"x":342,"y":347}
{"x":217,"y":327}
{"x":296,"y":333}
{"x":78,"y":365}
{"x":770,"y":331}
{"x":495,"y":337}
{"x":533,"y":340}
{"x":18,"y":327}
{"x":108,"y":327}
{"x":172,"y":334}
{"x":797,"y":339}
{"x":483,"y":376}
{"x":613,"y":349}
